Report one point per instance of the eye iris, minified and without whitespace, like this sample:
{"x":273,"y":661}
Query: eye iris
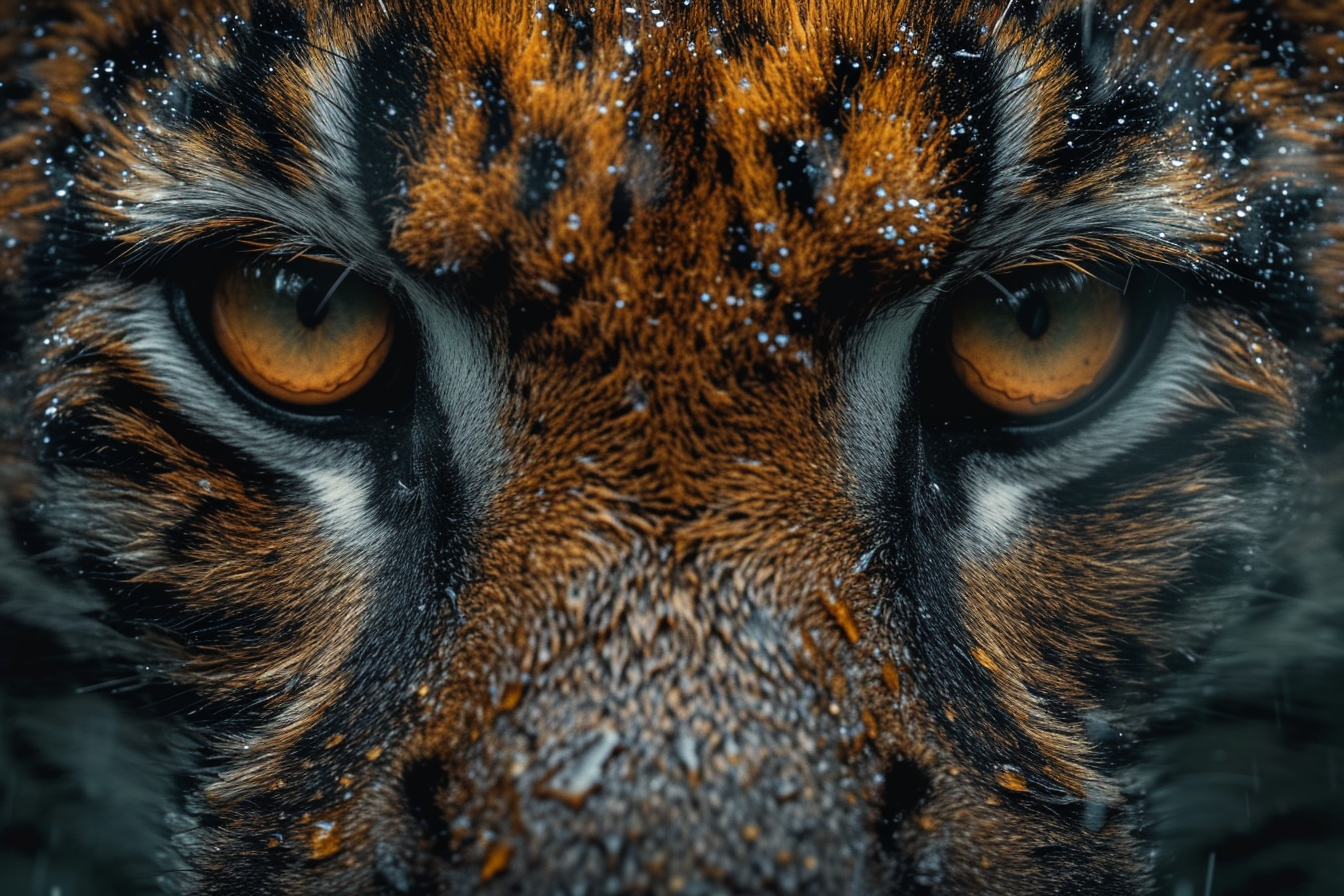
{"x":301,"y":333}
{"x":1040,"y":351}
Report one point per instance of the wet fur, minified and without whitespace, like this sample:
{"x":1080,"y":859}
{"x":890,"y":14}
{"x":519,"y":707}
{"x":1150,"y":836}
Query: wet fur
{"x":666,"y":500}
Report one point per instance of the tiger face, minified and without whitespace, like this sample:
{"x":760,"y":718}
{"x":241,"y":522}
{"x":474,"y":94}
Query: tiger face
{"x":774,"y":447}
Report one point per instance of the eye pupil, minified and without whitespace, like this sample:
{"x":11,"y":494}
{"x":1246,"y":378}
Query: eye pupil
{"x":1033,"y":316}
{"x":311,"y":305}
{"x":309,"y":294}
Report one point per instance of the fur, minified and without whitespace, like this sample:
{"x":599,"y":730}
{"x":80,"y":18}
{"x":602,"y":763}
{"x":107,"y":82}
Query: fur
{"x":668,"y":555}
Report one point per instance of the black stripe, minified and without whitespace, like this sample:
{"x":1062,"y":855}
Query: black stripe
{"x":275,"y":18}
{"x":622,"y":210}
{"x":543,"y":172}
{"x":968,"y":96}
{"x":241,"y":99}
{"x":580,"y":24}
{"x":387,"y":97}
{"x":795,"y":173}
{"x":922,"y":608}
{"x":1111,"y":114}
{"x":836,"y":101}
{"x":137,"y":605}
{"x":499,"y":116}
{"x":1262,"y":273}
{"x":80,"y":438}
{"x":1233,"y":134}
{"x":1280,"y":41}
{"x":85,"y":437}
{"x":140,"y":57}
{"x":71,"y":250}
{"x":245,"y":96}
{"x":741,"y":31}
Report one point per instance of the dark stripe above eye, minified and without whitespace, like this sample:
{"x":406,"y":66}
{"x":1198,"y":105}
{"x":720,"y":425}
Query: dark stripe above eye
{"x":140,"y":56}
{"x":1099,"y":129}
{"x":969,"y":93}
{"x":280,"y":20}
{"x":543,"y":172}
{"x":387,"y":96}
{"x":247,"y":104}
{"x":275,"y":32}
{"x":242,"y":98}
{"x":1104,"y":119}
{"x":499,"y":116}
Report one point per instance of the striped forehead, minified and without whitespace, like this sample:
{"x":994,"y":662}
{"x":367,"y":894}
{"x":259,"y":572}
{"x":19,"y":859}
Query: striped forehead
{"x":763,"y":149}
{"x":681,"y":156}
{"x":830,"y":155}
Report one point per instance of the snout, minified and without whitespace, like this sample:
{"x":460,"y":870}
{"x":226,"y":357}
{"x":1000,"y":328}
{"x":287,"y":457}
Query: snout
{"x":587,"y":801}
{"x":687,"y":729}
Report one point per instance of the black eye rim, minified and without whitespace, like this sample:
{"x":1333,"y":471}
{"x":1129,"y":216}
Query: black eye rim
{"x":949,"y":407}
{"x":384,"y":400}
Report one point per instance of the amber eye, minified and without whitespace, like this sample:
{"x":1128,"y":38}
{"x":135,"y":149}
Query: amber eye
{"x":303,"y":332}
{"x":1038,"y":349}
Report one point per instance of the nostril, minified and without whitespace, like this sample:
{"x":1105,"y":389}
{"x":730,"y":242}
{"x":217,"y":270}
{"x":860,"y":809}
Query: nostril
{"x":422,"y":782}
{"x":905,"y":787}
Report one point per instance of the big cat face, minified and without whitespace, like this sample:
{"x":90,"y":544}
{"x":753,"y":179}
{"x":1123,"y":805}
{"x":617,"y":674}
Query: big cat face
{"x":663,"y":448}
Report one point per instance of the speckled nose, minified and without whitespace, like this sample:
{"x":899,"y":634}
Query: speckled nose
{"x":677,"y":796}
{"x":687,"y":724}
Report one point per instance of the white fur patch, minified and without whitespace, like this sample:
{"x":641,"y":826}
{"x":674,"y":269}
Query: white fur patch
{"x":999,"y":510}
{"x":467,"y":386}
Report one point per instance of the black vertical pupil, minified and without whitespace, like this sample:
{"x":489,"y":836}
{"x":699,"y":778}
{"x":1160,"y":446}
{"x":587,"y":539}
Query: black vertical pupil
{"x":1033,"y":315}
{"x":309,"y":295}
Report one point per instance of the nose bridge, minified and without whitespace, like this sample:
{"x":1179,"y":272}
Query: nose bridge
{"x":670,"y":411}
{"x":638,"y":601}
{"x":676,"y":530}
{"x":662,"y":671}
